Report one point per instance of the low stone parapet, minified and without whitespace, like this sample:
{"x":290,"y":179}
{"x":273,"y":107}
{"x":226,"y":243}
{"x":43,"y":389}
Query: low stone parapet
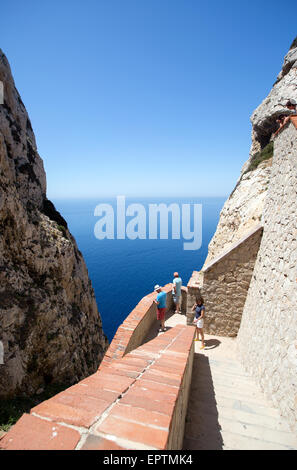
{"x":138,"y":323}
{"x":224,"y":284}
{"x":138,"y":401}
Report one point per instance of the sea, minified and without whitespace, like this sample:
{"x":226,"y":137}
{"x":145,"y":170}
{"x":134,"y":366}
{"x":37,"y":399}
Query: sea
{"x":125,"y":268}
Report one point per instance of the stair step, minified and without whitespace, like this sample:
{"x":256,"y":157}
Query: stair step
{"x":227,"y":409}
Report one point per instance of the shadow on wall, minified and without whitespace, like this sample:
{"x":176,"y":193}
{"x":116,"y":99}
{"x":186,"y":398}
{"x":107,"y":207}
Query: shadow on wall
{"x":154,"y":330}
{"x":202,"y":431}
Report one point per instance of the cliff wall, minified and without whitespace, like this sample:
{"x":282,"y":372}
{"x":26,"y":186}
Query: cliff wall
{"x":50,"y":328}
{"x":266,"y":193}
{"x":244,"y":207}
{"x":267,"y":338}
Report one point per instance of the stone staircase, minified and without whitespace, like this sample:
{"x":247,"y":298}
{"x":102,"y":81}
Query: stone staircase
{"x":226,"y":409}
{"x":117,"y":407}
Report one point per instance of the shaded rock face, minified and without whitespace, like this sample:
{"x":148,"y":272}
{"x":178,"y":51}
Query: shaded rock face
{"x":264,"y":117}
{"x":50,"y":328}
{"x":244,"y":207}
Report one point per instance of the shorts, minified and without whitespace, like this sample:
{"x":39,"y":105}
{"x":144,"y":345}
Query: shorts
{"x":161,"y":313}
{"x":176,"y":298}
{"x":200,"y":323}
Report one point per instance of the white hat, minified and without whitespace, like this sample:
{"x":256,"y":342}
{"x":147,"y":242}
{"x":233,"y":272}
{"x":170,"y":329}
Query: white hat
{"x":157,"y":287}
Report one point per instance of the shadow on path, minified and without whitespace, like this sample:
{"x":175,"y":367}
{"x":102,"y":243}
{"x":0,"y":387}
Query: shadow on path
{"x":211,"y":343}
{"x":202,"y":430}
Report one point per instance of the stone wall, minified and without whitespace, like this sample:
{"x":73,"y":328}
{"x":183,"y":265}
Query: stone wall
{"x":137,"y":402}
{"x":136,"y":326}
{"x":267,"y":337}
{"x":224,"y":284}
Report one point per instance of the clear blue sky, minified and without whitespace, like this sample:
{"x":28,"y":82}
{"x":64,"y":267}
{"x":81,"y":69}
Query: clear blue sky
{"x":144,"y":97}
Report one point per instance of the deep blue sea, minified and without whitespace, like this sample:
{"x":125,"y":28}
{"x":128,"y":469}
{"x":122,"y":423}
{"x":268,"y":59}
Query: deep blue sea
{"x":124,"y":270}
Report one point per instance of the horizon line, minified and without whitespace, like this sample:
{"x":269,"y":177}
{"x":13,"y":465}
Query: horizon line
{"x":132,"y":196}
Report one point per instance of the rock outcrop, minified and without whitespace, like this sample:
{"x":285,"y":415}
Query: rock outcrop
{"x":50,"y":328}
{"x":244,"y":207}
{"x":265,"y":193}
{"x":264,"y":117}
{"x":242,"y":211}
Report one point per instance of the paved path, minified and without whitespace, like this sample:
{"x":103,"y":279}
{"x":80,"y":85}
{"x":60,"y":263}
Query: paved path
{"x":226,"y":409}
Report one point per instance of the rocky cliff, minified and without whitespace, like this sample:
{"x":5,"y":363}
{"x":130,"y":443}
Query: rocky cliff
{"x":267,"y":340}
{"x":50,"y":328}
{"x":244,"y":207}
{"x":266,"y":193}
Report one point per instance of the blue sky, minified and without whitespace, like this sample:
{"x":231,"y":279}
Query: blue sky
{"x":144,"y":97}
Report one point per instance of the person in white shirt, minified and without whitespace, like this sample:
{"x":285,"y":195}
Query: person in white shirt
{"x":176,"y":291}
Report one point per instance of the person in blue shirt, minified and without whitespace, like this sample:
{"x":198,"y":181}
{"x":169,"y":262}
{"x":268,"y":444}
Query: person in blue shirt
{"x":176,"y":291}
{"x":161,"y":306}
{"x":199,"y":309}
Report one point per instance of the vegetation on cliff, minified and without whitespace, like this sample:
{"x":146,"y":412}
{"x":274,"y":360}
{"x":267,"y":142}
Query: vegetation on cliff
{"x":259,"y":157}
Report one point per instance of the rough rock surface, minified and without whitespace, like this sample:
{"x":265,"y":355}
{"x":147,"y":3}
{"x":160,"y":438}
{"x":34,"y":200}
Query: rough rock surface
{"x":224,"y":284}
{"x":264,"y":117}
{"x":267,"y":338}
{"x":242,"y":211}
{"x":244,"y":207}
{"x":50,"y":328}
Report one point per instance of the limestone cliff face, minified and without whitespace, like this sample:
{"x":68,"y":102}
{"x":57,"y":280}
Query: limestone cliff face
{"x":50,"y":328}
{"x":242,"y":211}
{"x":267,"y":340}
{"x":264,"y":117}
{"x":244,"y":207}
